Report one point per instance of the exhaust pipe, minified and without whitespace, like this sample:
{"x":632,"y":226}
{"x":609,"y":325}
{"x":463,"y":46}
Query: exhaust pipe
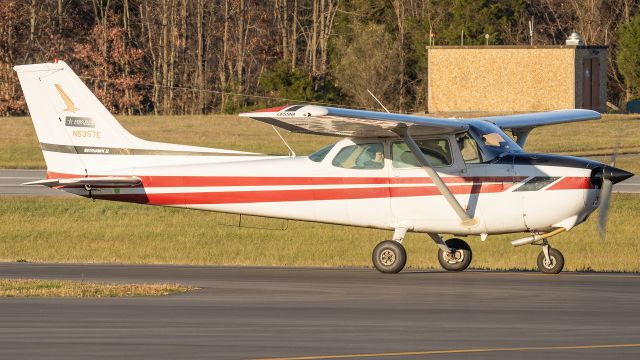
{"x":534,"y":238}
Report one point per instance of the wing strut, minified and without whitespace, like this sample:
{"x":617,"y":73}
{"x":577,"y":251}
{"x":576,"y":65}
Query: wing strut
{"x":521,"y":135}
{"x":444,"y":190}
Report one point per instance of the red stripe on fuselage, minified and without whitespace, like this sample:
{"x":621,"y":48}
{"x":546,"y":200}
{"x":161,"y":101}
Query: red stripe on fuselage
{"x":199,"y":181}
{"x":456,"y":190}
{"x":478,"y":185}
{"x":572,"y":183}
{"x":264,"y":196}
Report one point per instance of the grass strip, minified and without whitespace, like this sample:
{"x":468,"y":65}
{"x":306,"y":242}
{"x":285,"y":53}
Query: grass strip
{"x":81,"y":289}
{"x":80,"y":230}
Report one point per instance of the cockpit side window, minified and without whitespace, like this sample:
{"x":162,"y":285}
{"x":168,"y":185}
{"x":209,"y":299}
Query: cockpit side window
{"x":437,"y":151}
{"x":469,"y":149}
{"x":360,"y":156}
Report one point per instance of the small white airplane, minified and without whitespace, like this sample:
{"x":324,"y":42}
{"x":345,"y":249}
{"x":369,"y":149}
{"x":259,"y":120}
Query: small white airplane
{"x":390,"y":171}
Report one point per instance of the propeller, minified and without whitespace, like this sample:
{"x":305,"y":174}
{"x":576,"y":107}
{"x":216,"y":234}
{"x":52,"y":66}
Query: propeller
{"x":607,"y":177}
{"x":605,"y":199}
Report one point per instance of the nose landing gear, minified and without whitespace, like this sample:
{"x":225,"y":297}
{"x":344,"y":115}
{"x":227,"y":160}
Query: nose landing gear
{"x":550,"y":260}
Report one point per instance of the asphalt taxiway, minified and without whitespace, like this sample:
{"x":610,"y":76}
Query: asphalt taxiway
{"x":11,"y":181}
{"x":249,"y":313}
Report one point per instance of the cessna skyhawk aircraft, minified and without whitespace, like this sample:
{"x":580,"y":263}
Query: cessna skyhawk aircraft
{"x":389,"y":171}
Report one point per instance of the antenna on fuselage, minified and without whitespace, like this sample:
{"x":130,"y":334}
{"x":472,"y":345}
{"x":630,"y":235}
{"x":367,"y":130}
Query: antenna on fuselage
{"x":379,"y":102}
{"x":291,"y":152}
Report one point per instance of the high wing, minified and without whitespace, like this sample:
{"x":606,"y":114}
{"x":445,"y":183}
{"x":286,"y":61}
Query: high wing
{"x":521,"y":125}
{"x":322,"y":120}
{"x":94,"y":182}
{"x":532,"y":120}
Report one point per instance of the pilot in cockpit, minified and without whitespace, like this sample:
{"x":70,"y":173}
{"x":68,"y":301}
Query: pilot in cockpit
{"x":376,"y":157}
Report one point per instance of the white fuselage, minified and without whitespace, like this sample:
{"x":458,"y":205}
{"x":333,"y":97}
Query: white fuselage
{"x":505,"y":196}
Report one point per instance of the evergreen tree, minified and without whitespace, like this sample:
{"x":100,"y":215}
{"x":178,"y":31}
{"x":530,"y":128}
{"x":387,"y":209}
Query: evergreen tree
{"x":628,"y":55}
{"x":477,"y":18}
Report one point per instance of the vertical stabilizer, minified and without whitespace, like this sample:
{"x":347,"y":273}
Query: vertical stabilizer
{"x":79,"y":136}
{"x":70,"y":121}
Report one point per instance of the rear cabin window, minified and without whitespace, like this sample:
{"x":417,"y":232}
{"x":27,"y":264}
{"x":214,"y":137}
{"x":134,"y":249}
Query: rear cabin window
{"x":437,"y":151}
{"x":319,"y":155}
{"x":360,"y":156}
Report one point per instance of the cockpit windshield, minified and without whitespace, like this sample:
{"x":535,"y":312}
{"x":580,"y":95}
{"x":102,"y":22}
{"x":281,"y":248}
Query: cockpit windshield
{"x":492,"y":141}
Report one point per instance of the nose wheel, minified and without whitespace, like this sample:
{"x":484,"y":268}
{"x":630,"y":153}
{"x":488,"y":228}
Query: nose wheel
{"x":550,"y":260}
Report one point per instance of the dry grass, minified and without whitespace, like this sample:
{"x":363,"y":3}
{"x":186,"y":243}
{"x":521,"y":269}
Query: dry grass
{"x":80,"y":230}
{"x":589,"y":137}
{"x":64,"y":288}
{"x":19,"y":146}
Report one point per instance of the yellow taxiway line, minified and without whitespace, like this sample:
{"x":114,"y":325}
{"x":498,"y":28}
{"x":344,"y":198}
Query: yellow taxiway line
{"x":455,"y":351}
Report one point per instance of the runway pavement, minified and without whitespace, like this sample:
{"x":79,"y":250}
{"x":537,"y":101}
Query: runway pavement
{"x":631,"y":185}
{"x":248,"y":313}
{"x":11,"y":181}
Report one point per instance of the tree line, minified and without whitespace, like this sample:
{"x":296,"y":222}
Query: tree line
{"x":197,"y":57}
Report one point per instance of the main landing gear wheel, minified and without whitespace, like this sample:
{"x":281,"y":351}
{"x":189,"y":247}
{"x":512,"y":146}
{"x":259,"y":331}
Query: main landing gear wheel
{"x":555,"y":263}
{"x":459,"y":258}
{"x":389,"y":257}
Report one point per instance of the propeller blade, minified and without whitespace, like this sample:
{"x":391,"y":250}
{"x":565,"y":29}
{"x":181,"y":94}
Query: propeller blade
{"x":612,"y":163}
{"x":609,"y":176}
{"x":603,"y":208}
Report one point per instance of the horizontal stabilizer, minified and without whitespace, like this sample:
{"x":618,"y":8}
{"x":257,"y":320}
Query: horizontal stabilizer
{"x":102,"y":181}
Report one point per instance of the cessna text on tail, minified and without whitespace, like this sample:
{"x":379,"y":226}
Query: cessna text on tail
{"x":389,"y":171}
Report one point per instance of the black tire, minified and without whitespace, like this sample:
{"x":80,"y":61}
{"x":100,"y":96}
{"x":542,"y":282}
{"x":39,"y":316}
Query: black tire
{"x":556,"y":264}
{"x":459,"y":259}
{"x":389,"y":257}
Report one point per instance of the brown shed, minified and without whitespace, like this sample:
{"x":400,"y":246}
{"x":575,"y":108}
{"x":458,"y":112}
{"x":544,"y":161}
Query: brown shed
{"x":516,"y":78}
